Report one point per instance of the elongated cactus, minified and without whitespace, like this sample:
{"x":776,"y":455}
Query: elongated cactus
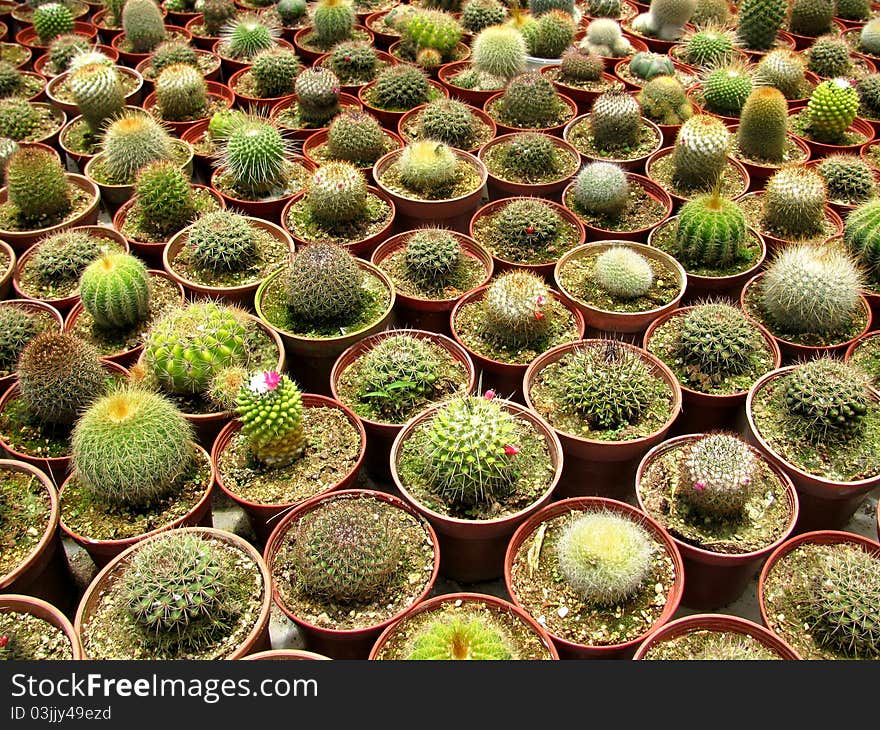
{"x":810,"y":17}
{"x":759,"y":22}
{"x":615,"y":120}
{"x":270,"y":408}
{"x":665,"y":19}
{"x":862,"y":236}
{"x":784,"y":69}
{"x":181,"y":93}
{"x":37,"y":185}
{"x":255,"y":154}
{"x":143,"y":25}
{"x":97,"y":90}
{"x":763,"y":125}
{"x":711,"y":231}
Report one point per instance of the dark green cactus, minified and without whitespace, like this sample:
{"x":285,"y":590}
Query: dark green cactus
{"x":325,"y":285}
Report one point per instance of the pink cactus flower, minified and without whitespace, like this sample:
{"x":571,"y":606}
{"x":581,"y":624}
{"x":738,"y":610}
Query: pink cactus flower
{"x":699,"y":486}
{"x":489,"y":394}
{"x":511,"y":450}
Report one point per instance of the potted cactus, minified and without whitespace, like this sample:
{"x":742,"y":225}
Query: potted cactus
{"x":815,"y":592}
{"x":829,"y":122}
{"x":429,"y":39}
{"x":664,"y":102}
{"x":759,"y":23}
{"x":528,"y":164}
{"x":664,"y":23}
{"x":808,"y":19}
{"x":243,"y":37}
{"x":268,"y":80}
{"x":49,"y":21}
{"x":226,"y":255}
{"x":182,"y":97}
{"x":332,"y":21}
{"x":33,"y":629}
{"x":600,"y":573}
{"x":321,"y":303}
{"x":316,"y":101}
{"x":861,"y":237}
{"x":219,"y":586}
{"x":547,"y":34}
{"x":171,"y":53}
{"x":206,"y":139}
{"x":609,"y":402}
{"x":355,"y":64}
{"x":396,"y":90}
{"x":348,"y":564}
{"x":17,"y":84}
{"x":339,"y":207}
{"x":530,"y":102}
{"x":865,"y":40}
{"x":786,"y":70}
{"x":725,"y":506}
{"x":476,"y":467}
{"x":465,"y":626}
{"x":580,"y":75}
{"x":830,"y":57}
{"x":207,"y":27}
{"x":18,"y":55}
{"x":30,"y":121}
{"x":849,"y":180}
{"x":707,"y":47}
{"x":21,"y":320}
{"x":95,"y":88}
{"x":722,"y":91}
{"x":638,"y":71}
{"x":431,"y":269}
{"x":143,"y":30}
{"x":275,"y":455}
{"x":605,"y":38}
{"x":448,"y":121}
{"x":353,"y":136}
{"x":796,"y":413}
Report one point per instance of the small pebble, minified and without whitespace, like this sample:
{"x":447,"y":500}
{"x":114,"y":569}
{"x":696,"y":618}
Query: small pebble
{"x":563,"y":612}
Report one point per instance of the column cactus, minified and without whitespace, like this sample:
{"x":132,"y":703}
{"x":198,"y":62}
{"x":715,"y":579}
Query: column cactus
{"x":270,"y":407}
{"x":759,"y":22}
{"x":143,"y":25}
{"x":115,"y":291}
{"x":97,"y":90}
{"x":763,"y":125}
{"x":181,"y":93}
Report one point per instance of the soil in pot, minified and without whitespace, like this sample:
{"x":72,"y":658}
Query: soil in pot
{"x":753,"y":208}
{"x":703,"y":644}
{"x":25,"y":509}
{"x":351,"y":76}
{"x":29,"y":637}
{"x":377,"y":216}
{"x":561,"y":164}
{"x":641,"y":211}
{"x":467,"y":180}
{"x":792,"y":154}
{"x":206,"y":62}
{"x":309,"y":42}
{"x":866,"y":357}
{"x":662,"y":171}
{"x":580,"y":136}
{"x":137,"y":228}
{"x":81,"y":200}
{"x":599,"y":86}
{"x":320,"y":152}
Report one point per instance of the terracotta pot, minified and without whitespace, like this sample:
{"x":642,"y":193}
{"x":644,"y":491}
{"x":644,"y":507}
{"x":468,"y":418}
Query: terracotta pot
{"x":151,"y":251}
{"x":307,"y":54}
{"x":638,"y":234}
{"x":345,"y":101}
{"x":557,"y":130}
{"x":389,"y":119}
{"x":133,"y":98}
{"x":635,"y":164}
{"x":821,"y":149}
{"x":132,"y":59}
{"x":28,"y":38}
{"x":499,"y":187}
{"x":495,"y":605}
{"x":284,"y":654}
{"x":824,"y":503}
{"x":215,"y":91}
{"x":20,"y":240}
{"x":352,"y":643}
{"x":453,"y":213}
{"x":126,"y":358}
{"x":611,"y":465}
{"x":718,"y":623}
{"x":43,"y":572}
{"x":657,"y":45}
{"x":63,"y":304}
{"x":473,"y":550}
{"x":706,"y":411}
{"x":231,"y":65}
{"x":352,"y":89}
{"x":28,"y":55}
{"x":783,"y":40}
{"x":619,"y":322}
{"x":624,"y":650}
{"x":106,"y":33}
{"x":717,"y":579}
{"x":202,"y":42}
{"x":793,"y":351}
{"x":319,"y":138}
{"x":759,"y":174}
{"x":264,"y":517}
{"x":861,"y":340}
{"x":7,"y":380}
{"x":380,"y":434}
{"x":680,"y":200}
{"x":362,"y":247}
{"x":312,"y":358}
{"x":252,"y":102}
{"x":380,"y":39}
{"x":478,"y":113}
{"x":582,"y":97}
{"x":258,"y":638}
{"x":445,"y":75}
{"x":46,"y":611}
{"x":6,"y":275}
{"x":242,"y":295}
{"x":803,"y":42}
{"x":430,"y":314}
{"x":775,"y":244}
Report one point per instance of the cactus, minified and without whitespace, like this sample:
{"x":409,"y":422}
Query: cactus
{"x":222,"y":240}
{"x":431,"y":29}
{"x":115,"y":291}
{"x":317,"y":94}
{"x":794,"y":203}
{"x":114,"y":12}
{"x":646,"y":65}
{"x":665,"y":19}
{"x":171,"y":53}
{"x":530,"y":155}
{"x":450,"y":122}
{"x":8,"y":148}
{"x":337,"y":194}
{"x":550,"y":34}
{"x":853,"y":9}
{"x":847,"y":178}
{"x":763,"y":126}
{"x":401,"y":88}
{"x":355,"y":136}
{"x":810,"y":17}
{"x":833,"y":106}
{"x":290,"y":11}
{"x":58,"y":376}
{"x":539,"y":7}
{"x":469,"y":454}
{"x":862,"y":236}
{"x":88,"y":57}
{"x":345,"y":551}
{"x":664,"y":101}
{"x":353,"y":60}
{"x":165,"y":197}
{"x":716,"y":339}
{"x":579,"y":64}
{"x":255,"y":155}
{"x":709,"y":46}
{"x":605,"y":38}
{"x":529,"y":101}
{"x":615,"y":120}
{"x":10,"y":79}
{"x":479,"y":14}
{"x":37,"y":186}
{"x":325,"y":285}
{"x":333,"y":20}
{"x":181,"y":93}
{"x":189,"y":345}
{"x":431,"y":255}
{"x":717,"y":474}
{"x":427,"y":167}
{"x":829,"y":56}
{"x":456,"y":639}
{"x":130,"y":142}
{"x":143,"y":25}
{"x":604,"y":557}
{"x":601,"y":188}
{"x":810,"y":289}
{"x":528,"y":224}
{"x":216,"y":14}
{"x":98,"y":93}
{"x":130,"y":448}
{"x":270,"y":408}
{"x":604,"y":8}
{"x":726,"y":89}
{"x":869,"y":38}
{"x":711,"y":231}
{"x":499,"y":51}
{"x":868,"y":88}
{"x":245,"y":37}
{"x":516,"y":308}
{"x":62,"y":257}
{"x":18,"y":326}
{"x":64,"y":47}
{"x":783,"y":69}
{"x":827,"y":398}
{"x":52,"y":20}
{"x":18,"y":119}
{"x":700,"y":152}
{"x":759,"y":21}
{"x":622,"y":272}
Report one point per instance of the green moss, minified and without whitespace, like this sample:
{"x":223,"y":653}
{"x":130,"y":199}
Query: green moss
{"x":866,"y":357}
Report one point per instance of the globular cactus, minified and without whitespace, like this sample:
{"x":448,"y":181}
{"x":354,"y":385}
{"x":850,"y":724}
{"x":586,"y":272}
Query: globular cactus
{"x":827,"y":398}
{"x":244,"y":37}
{"x":427,"y":166}
{"x":711,"y":231}
{"x":829,"y":56}
{"x":37,"y":186}
{"x":274,"y":71}
{"x":325,"y":285}
{"x":333,"y":21}
{"x":401,"y":87}
{"x":50,"y":20}
{"x":869,"y":37}
{"x":726,"y":89}
{"x":862,"y":236}
{"x":708,"y":46}
{"x":516,"y":308}
{"x":337,"y":194}
{"x":353,"y":60}
{"x":62,"y":257}
{"x":165,"y":197}
{"x":115,"y":291}
{"x":615,"y":120}
{"x":64,"y":47}
{"x":550,"y":34}
{"x":646,"y":65}
{"x":784,"y":69}
{"x":255,"y":154}
{"x":222,"y":241}
{"x":530,"y":155}
{"x":794,"y":203}
{"x":171,"y":53}
{"x":601,"y":188}
{"x":528,"y":224}
{"x":868,"y":88}
{"x":539,"y":7}
{"x":317,"y":95}
{"x":763,"y":125}
{"x":499,"y":51}
{"x":131,"y":447}
{"x":852,"y":9}
{"x":431,"y":255}
{"x":270,"y":408}
{"x":811,"y":289}
{"x":665,"y":19}
{"x":530,"y":101}
{"x":18,"y":326}
{"x":345,"y":551}
{"x":578,"y":64}
{"x":18,"y":119}
{"x":223,"y":122}
{"x":189,"y":345}
{"x":623,"y":272}
{"x":97,"y":90}
{"x":181,"y":93}
{"x":456,"y":639}
{"x":717,"y":339}
{"x":88,"y":57}
{"x":839,"y":603}
{"x":114,"y":12}
{"x":608,"y":384}
{"x":717,"y":475}
{"x":448,"y":121}
{"x":605,"y":38}
{"x":604,"y":8}
{"x":431,"y":29}
{"x":833,"y":106}
{"x":291,"y":11}
{"x":143,"y":25}
{"x":216,"y":14}
{"x":10,"y":79}
{"x":131,"y":141}
{"x":479,"y":14}
{"x":810,"y":17}
{"x":59,"y":375}
{"x":604,"y":557}
{"x":700,"y":152}
{"x":759,"y":21}
{"x":469,"y":457}
{"x":664,"y":101}
{"x":847,"y":178}
{"x":355,"y":136}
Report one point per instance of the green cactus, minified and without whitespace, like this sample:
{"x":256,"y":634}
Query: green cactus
{"x":869,"y":38}
{"x":115,"y":291}
{"x":51,"y":20}
{"x":811,"y":289}
{"x":726,"y":89}
{"x":189,"y":345}
{"x":601,"y":188}
{"x":578,"y":64}
{"x":356,"y":136}
{"x":255,"y":155}
{"x":833,"y":106}
{"x":604,"y":8}
{"x":10,"y":79}
{"x":709,"y":46}
{"x":623,"y":272}
{"x":18,"y":119}
{"x":759,"y":21}
{"x":181,"y":93}
{"x":862,"y":236}
{"x":291,"y":11}
{"x":530,"y":155}
{"x":333,"y":21}
{"x":516,"y":308}
{"x":64,"y":47}
{"x":530,"y":101}
{"x":165,"y":197}
{"x":37,"y":186}
{"x":270,"y":408}
{"x":131,"y":447}
{"x":539,"y":7}
{"x":615,"y":120}
{"x":337,"y":194}
{"x":847,"y":178}
{"x":18,"y":326}
{"x":431,"y":255}
{"x":810,"y":17}
{"x":528,"y":224}
{"x":784,"y":69}
{"x":550,"y":34}
{"x":274,"y":71}
{"x":794,"y":203}
{"x":664,"y":101}
{"x":88,"y":57}
{"x":325,"y":285}
{"x":868,"y":88}
{"x":717,"y":339}
{"x":700,"y":153}
{"x":450,"y":122}
{"x":711,"y":232}
{"x":717,"y":474}
{"x":143,"y":25}
{"x":457,"y":639}
{"x":431,"y":29}
{"x":665,"y":19}
{"x":401,"y":88}
{"x":223,"y":122}
{"x":762,"y":132}
{"x":427,"y":166}
{"x":829,"y":56}
{"x":353,"y":61}
{"x":114,"y":12}
{"x":62,"y":257}
{"x":97,"y":90}
{"x":216,"y":14}
{"x":243,"y":38}
{"x":605,"y":38}
{"x":222,"y":241}
{"x":604,"y":557}
{"x":479,"y":14}
{"x":171,"y":53}
{"x":500,"y":52}
{"x":853,"y":9}
{"x":646,"y":66}
{"x":131,"y":141}
{"x":317,"y":95}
